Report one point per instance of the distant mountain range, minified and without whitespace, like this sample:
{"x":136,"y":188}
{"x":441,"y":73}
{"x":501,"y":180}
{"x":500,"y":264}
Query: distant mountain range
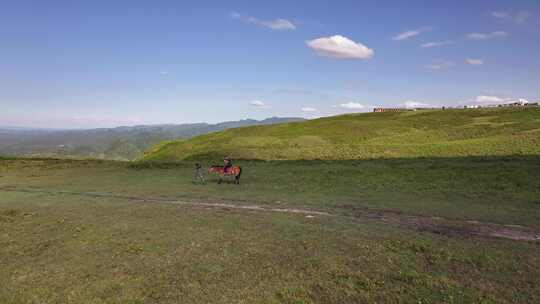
{"x":121,"y":143}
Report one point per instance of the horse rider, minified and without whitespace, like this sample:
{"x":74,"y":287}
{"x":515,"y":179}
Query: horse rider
{"x":228,"y":164}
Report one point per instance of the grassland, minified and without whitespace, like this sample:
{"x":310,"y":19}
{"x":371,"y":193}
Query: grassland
{"x":396,"y":195}
{"x":81,"y":232}
{"x":497,"y":189}
{"x":433,"y":133}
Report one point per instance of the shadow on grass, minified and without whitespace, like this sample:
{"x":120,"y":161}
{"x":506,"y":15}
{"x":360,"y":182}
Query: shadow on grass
{"x":213,"y":159}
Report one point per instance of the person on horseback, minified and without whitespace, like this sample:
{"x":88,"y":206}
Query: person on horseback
{"x":228,"y":164}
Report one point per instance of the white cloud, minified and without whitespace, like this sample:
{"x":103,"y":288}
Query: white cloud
{"x":340,"y":47}
{"x":486,"y":36}
{"x":437,"y":44}
{"x":309,"y":109}
{"x":351,"y":105}
{"x":258,"y":103}
{"x":486,"y":100}
{"x":474,"y":61}
{"x":490,"y":99}
{"x":411,"y":104}
{"x":409,"y":34}
{"x":501,"y":15}
{"x":279,"y":24}
{"x":276,"y":24}
{"x":441,"y":65}
{"x":519,"y":17}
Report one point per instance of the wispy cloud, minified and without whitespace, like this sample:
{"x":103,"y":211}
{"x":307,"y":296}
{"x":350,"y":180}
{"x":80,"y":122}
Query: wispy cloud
{"x":500,"y":15}
{"x":276,"y":24}
{"x":519,"y":17}
{"x":309,"y":109}
{"x":258,"y":103}
{"x":441,"y":65}
{"x":474,"y":61}
{"x":98,"y":120}
{"x":488,"y":99}
{"x":437,"y":44}
{"x":107,"y":120}
{"x":411,"y":104}
{"x":484,"y":100}
{"x":486,"y":36}
{"x":351,"y":106}
{"x":340,"y":47}
{"x":411,"y":33}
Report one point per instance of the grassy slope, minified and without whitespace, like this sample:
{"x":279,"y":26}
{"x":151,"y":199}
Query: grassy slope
{"x":449,"y":133}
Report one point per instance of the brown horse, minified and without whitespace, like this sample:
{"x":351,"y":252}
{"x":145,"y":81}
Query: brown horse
{"x":234,"y":171}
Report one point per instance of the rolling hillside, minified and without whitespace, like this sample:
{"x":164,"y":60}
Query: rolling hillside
{"x":121,"y":143}
{"x":429,"y":133}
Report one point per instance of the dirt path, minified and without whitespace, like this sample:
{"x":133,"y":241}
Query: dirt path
{"x":450,"y":227}
{"x":438,"y":225}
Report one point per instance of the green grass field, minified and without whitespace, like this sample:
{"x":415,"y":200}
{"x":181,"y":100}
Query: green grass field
{"x":415,"y":207}
{"x":493,"y":189}
{"x":429,"y":133}
{"x":110,"y":232}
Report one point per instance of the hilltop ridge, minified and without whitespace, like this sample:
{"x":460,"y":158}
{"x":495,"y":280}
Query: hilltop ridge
{"x":426,"y":133}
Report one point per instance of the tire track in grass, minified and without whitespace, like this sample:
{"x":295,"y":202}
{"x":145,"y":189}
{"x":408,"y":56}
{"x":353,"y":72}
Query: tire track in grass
{"x":437,"y":225}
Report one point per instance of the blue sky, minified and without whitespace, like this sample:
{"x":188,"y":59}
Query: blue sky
{"x":82,"y":64}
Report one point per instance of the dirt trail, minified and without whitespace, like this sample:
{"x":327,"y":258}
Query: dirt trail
{"x":450,"y":227}
{"x":438,"y":225}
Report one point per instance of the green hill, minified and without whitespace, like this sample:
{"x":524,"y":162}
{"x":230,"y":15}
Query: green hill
{"x":120,"y":143}
{"x":427,"y":133}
